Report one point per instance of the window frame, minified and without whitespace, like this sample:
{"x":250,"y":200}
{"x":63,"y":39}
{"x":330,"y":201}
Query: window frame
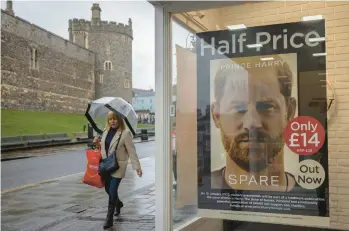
{"x":108,"y":65}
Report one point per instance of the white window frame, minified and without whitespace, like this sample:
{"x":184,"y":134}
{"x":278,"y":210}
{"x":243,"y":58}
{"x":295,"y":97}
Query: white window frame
{"x":101,"y":76}
{"x":92,"y":76}
{"x":108,"y":65}
{"x":163,"y":83}
{"x":163,"y":156}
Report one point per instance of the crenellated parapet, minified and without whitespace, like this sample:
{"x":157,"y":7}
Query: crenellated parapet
{"x":115,"y":27}
{"x":83,"y":25}
{"x":79,"y":25}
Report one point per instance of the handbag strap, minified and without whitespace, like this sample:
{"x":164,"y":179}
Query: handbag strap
{"x":117,"y":144}
{"x":116,"y":160}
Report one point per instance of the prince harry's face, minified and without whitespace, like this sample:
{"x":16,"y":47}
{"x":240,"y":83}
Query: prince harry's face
{"x":251,"y":115}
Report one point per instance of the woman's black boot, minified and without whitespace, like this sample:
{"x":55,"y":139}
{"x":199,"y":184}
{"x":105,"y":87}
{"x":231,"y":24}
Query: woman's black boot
{"x":109,"y":219}
{"x":118,"y":208}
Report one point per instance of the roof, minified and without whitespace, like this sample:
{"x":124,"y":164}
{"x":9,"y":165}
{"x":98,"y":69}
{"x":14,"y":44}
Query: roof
{"x":136,"y":90}
{"x":143,"y":92}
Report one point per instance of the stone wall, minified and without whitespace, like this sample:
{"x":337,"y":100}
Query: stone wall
{"x":103,"y":26}
{"x":116,"y":48}
{"x":63,"y":80}
{"x":112,"y":43}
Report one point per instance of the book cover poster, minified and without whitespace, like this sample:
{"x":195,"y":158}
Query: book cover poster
{"x":259,"y":81}
{"x":263,"y":142}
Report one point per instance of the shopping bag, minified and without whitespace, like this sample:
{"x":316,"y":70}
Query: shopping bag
{"x":91,"y":176}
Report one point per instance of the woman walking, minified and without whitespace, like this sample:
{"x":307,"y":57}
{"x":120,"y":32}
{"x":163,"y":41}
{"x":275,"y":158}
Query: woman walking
{"x":116,"y":138}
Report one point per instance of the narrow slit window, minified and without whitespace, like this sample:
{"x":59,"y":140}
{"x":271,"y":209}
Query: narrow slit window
{"x":86,"y":41}
{"x":34,"y":59}
{"x":126,"y":83}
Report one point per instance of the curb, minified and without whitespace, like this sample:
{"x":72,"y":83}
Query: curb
{"x":25,"y":157}
{"x":27,"y":186}
{"x":17,"y":158}
{"x":38,"y":183}
{"x":39,"y":155}
{"x":52,"y":145}
{"x":144,"y":141}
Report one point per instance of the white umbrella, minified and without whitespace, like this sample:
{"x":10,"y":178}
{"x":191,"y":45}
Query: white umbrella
{"x":98,"y":109}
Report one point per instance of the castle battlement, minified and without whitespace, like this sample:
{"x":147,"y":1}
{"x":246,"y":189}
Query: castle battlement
{"x":103,"y":26}
{"x":79,"y":25}
{"x":111,"y":26}
{"x":50,"y":73}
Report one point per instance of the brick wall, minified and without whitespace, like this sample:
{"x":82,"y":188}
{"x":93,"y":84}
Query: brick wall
{"x":336,"y":15}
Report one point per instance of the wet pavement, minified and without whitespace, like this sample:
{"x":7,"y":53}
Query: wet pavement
{"x":48,"y":165}
{"x":69,"y":204}
{"x":44,"y":151}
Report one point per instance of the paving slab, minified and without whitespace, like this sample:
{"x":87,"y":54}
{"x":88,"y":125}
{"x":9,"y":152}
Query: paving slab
{"x":69,"y":204}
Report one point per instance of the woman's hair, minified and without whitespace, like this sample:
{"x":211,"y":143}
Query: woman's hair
{"x":121,"y":121}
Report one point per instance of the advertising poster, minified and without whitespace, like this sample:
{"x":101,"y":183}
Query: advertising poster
{"x":262,"y":140}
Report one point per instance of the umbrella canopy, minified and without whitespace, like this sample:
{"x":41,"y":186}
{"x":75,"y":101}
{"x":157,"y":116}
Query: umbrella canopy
{"x":97,"y":111}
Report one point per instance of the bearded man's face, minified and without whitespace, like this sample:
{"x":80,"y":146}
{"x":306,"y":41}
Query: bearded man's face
{"x":252,"y":150}
{"x":251,"y":116}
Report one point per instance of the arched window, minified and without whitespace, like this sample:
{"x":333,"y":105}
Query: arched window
{"x":33,"y":58}
{"x":126,"y":83}
{"x":108,"y":65}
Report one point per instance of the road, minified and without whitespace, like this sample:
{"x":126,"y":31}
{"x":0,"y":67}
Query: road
{"x":16,"y":173}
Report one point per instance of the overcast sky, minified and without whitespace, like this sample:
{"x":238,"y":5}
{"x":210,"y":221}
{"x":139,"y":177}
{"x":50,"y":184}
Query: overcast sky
{"x":54,"y":16}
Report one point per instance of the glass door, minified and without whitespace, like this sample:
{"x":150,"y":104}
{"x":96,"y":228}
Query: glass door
{"x":250,"y":137}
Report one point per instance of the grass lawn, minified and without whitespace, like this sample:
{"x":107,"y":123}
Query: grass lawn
{"x":15,"y":122}
{"x":145,"y":126}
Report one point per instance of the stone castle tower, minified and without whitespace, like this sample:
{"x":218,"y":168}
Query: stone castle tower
{"x":112,"y":44}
